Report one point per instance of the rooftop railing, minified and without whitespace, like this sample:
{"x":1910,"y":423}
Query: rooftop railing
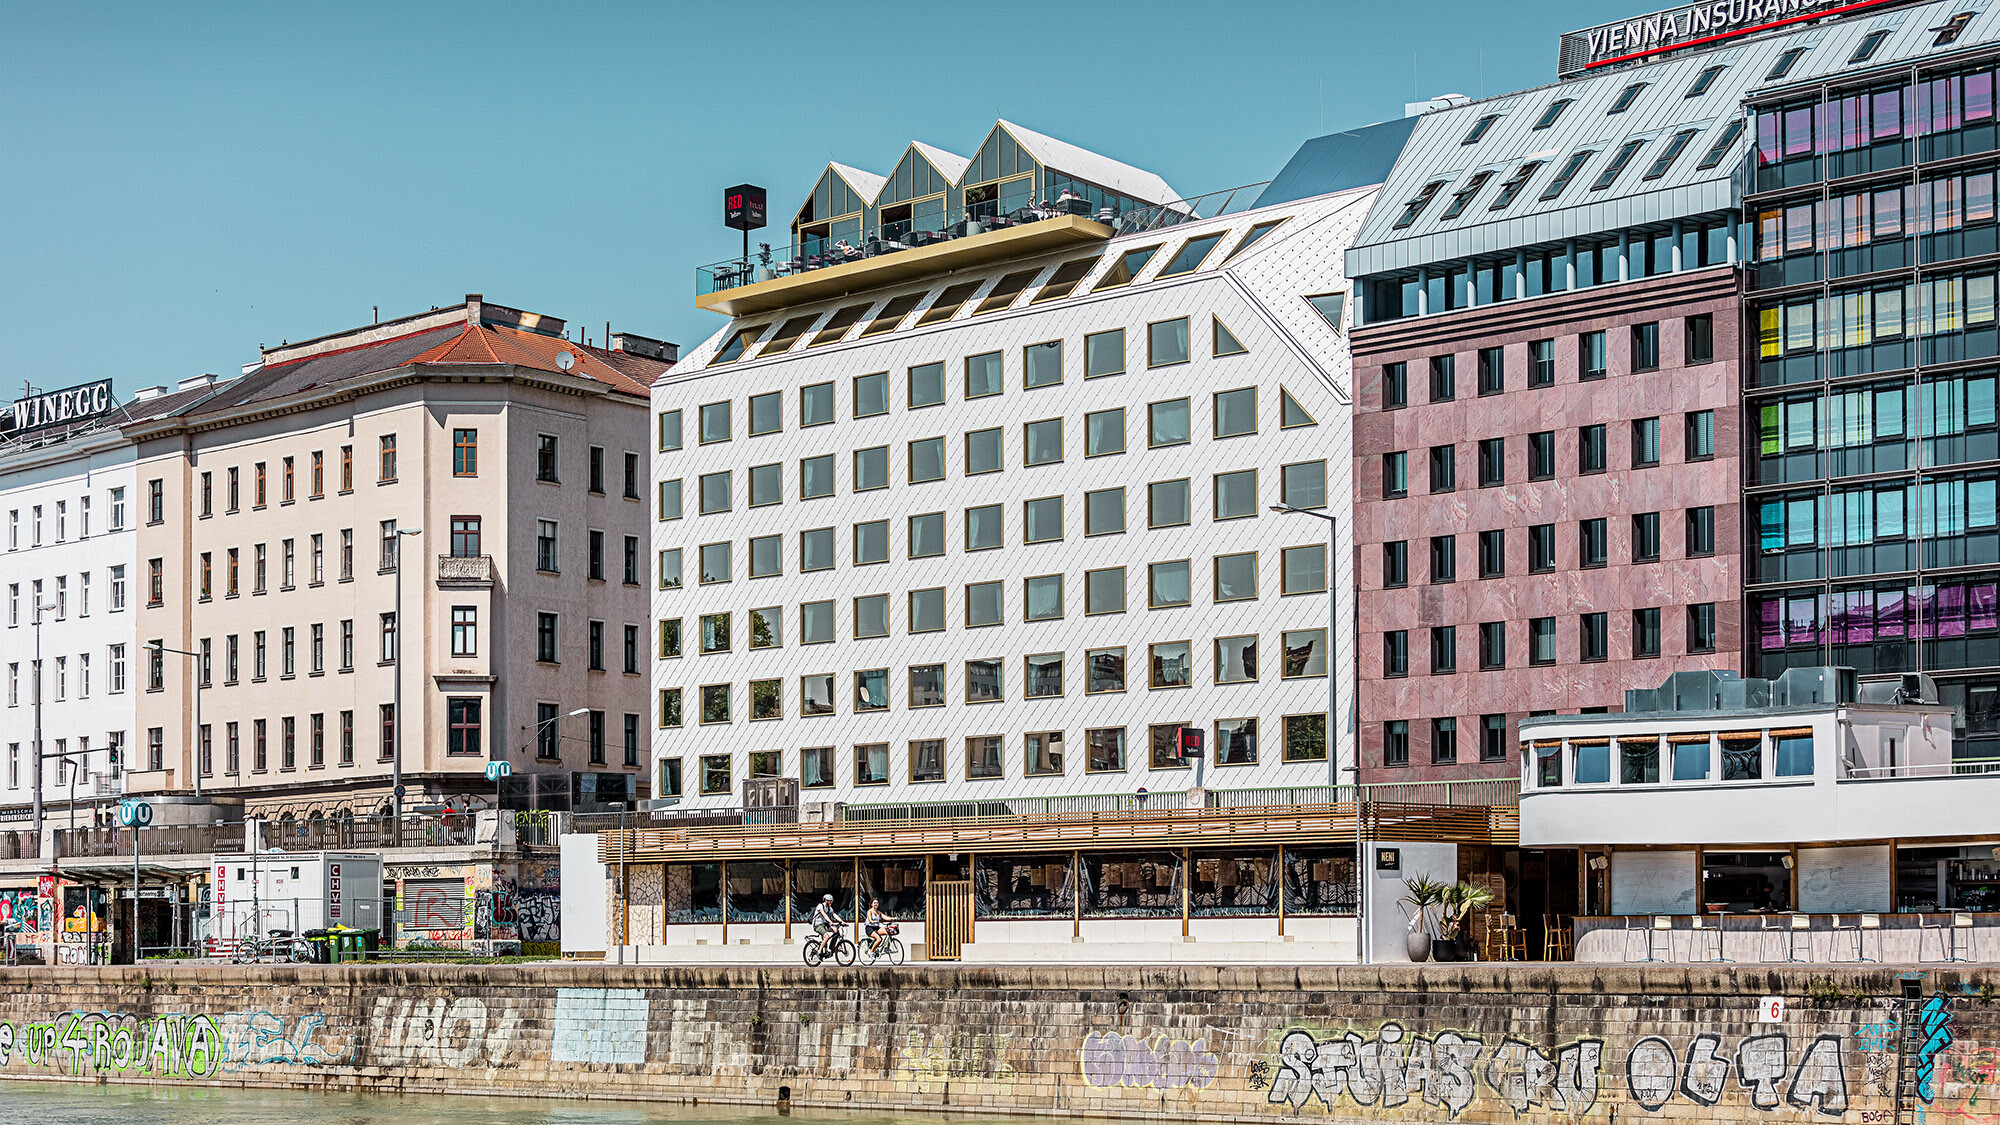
{"x":768,"y":263}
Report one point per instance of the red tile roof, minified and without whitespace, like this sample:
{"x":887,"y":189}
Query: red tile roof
{"x":486,"y":343}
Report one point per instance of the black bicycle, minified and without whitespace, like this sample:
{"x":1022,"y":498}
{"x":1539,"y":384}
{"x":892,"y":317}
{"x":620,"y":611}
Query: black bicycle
{"x":841,"y":945}
{"x":278,"y":945}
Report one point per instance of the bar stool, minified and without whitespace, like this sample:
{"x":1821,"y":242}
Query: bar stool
{"x":1862,"y":924}
{"x":1558,"y":941}
{"x":1801,"y":924}
{"x":1636,"y":927}
{"x":1947,"y":935}
{"x":1700,"y":927}
{"x":1767,"y":925}
{"x":1513,"y":939}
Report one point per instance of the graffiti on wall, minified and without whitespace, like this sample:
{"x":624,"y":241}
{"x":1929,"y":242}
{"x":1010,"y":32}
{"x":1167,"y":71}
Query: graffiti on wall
{"x":21,"y":912}
{"x":1110,"y":1058}
{"x":179,"y":1045}
{"x":1454,"y":1070}
{"x":455,"y":1033}
{"x":930,"y":1061}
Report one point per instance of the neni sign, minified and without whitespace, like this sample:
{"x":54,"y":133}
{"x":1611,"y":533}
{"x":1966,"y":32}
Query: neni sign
{"x":1692,"y":25}
{"x":56,"y":408}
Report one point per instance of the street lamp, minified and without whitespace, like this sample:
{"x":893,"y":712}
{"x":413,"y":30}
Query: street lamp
{"x":1361,"y":943}
{"x":40,"y":607}
{"x":396,"y":698}
{"x":199,"y":681}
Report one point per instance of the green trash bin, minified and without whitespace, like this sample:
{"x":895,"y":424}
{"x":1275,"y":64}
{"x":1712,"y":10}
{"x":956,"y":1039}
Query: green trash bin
{"x":367,"y":941}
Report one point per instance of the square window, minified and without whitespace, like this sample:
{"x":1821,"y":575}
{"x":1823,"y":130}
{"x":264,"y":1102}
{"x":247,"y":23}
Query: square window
{"x":1042,"y":364}
{"x":714,"y":563}
{"x":927,"y":759}
{"x":1236,"y":577}
{"x":1104,"y":670}
{"x":1167,"y":503}
{"x":982,"y":604}
{"x":816,"y":405}
{"x":1236,"y":660}
{"x":715,"y":493}
{"x":1305,"y":569}
{"x":1303,"y":485}
{"x":1305,"y":738}
{"x":670,"y":430}
{"x":871,"y":690}
{"x":1167,"y":423}
{"x":983,"y":528}
{"x":714,"y":427}
{"x":871,"y":616}
{"x":766,"y":487}
{"x":1044,"y":675}
{"x":1235,"y":412}
{"x":927,"y":610}
{"x":926,"y":460}
{"x":816,"y":477}
{"x":1171,"y":665}
{"x":766,"y":702}
{"x":871,"y":468}
{"x":816,"y":549}
{"x":1167,"y":342}
{"x":871,"y":394}
{"x":715,"y":704}
{"x":1104,"y":512}
{"x":982,"y":681}
{"x":1043,"y":442}
{"x":871,"y":763}
{"x":766,"y":413}
{"x":871,"y":542}
{"x":1164,"y":747}
{"x":926,"y":535}
{"x":982,"y":452}
{"x":816,"y":623}
{"x":1104,"y":353}
{"x":1043,"y":520}
{"x":1305,"y":653}
{"x":670,"y":569}
{"x":816,"y":695}
{"x":1104,"y":590}
{"x":927,"y":685}
{"x":1236,"y":742}
{"x":714,"y":633}
{"x":982,"y":757}
{"x":926,"y":385}
{"x":764,"y":557}
{"x":1044,"y":597}
{"x":1105,"y":749}
{"x":1167,"y":584}
{"x":816,"y":767}
{"x":1104,"y":432}
{"x":983,"y":375}
{"x":767,"y":628}
{"x":1235,"y":494}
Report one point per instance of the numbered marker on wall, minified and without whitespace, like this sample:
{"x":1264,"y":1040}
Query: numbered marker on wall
{"x":1771,"y":1009}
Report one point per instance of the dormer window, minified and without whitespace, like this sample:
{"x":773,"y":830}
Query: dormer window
{"x":1417,"y":203}
{"x":1704,"y":80}
{"x":1865,"y":50}
{"x":1550,"y":114}
{"x":1949,"y":31}
{"x":1479,"y":129}
{"x":1669,"y":154}
{"x":1784,"y":64}
{"x":1462,"y":198}
{"x":1626,"y":97}
{"x":1619,"y":160}
{"x":1513,"y":185}
{"x":1566,"y":173}
{"x":1722,"y":145}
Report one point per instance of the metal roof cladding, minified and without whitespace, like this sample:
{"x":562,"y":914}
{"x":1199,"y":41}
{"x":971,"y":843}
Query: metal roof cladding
{"x":1665,"y":106}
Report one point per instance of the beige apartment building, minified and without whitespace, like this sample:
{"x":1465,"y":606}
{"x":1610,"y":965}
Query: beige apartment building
{"x":470,"y":460}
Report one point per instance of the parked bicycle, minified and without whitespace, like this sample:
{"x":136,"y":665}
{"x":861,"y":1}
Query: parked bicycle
{"x":277,"y":945}
{"x":837,"y":947}
{"x":885,"y":945}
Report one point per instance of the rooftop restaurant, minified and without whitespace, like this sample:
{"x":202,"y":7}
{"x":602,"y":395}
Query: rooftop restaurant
{"x":1806,"y":818}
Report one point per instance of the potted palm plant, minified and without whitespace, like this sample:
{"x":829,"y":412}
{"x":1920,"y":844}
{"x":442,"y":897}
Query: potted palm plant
{"x":1458,"y":901}
{"x":1421,"y":895}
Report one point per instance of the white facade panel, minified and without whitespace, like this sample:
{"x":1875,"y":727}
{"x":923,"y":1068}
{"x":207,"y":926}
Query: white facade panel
{"x":1844,"y":880}
{"x":1289,"y":349}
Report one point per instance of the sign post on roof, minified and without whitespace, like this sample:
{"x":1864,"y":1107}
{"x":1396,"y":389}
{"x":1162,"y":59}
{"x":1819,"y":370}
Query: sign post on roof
{"x":1690,"y":25}
{"x":57,"y":408}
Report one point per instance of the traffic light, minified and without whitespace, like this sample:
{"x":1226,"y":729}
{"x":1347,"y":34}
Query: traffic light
{"x":1190,"y":742}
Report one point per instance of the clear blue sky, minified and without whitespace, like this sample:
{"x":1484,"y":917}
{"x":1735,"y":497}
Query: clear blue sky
{"x":179,"y":183}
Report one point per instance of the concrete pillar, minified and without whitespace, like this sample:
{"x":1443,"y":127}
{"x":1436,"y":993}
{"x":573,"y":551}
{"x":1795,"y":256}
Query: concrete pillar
{"x":1676,"y":255}
{"x":1569,"y":265}
{"x":1424,"y":291}
{"x":1624,"y":255}
{"x":1729,"y":250}
{"x":1520,"y":274}
{"x":1360,"y":314}
{"x":1471,"y":283}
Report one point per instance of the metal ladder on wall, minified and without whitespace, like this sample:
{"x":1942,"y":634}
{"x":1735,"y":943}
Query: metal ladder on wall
{"x":1913,"y":1031}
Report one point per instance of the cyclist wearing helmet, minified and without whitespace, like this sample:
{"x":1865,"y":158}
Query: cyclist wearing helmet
{"x":826,"y":924}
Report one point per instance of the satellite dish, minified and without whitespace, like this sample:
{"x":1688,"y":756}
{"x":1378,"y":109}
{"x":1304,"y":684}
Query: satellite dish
{"x":565,"y":360}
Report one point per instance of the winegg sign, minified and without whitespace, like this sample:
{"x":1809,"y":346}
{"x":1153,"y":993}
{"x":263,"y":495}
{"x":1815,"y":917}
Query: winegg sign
{"x":56,"y":408}
{"x":1690,"y":26}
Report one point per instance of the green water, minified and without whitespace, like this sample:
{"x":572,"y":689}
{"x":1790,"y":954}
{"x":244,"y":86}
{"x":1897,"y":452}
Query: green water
{"x":37,"y":1103}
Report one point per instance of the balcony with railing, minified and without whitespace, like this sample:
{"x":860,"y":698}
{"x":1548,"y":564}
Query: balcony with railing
{"x":995,"y":230}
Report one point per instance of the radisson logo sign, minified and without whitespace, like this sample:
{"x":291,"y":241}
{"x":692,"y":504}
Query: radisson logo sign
{"x":1692,"y":25}
{"x":56,"y":408}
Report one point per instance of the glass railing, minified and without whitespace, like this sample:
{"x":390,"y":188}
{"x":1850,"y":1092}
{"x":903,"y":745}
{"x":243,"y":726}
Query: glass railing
{"x":768,"y":263}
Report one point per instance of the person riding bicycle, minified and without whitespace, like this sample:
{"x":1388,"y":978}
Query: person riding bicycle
{"x":826,"y":924}
{"x":875,"y":926}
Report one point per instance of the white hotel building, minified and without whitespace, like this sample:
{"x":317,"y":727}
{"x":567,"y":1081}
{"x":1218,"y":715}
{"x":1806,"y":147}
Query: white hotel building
{"x":987,"y":516}
{"x":70,"y":502}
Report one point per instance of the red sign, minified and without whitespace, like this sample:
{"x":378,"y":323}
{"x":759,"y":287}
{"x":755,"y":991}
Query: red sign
{"x":332,"y":891}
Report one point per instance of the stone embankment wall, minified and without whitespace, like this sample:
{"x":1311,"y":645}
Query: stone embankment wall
{"x":1486,"y":1044}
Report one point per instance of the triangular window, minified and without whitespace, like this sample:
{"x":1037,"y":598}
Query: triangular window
{"x":1332,"y":306}
{"x":1292,"y":414}
{"x":1226,"y":342}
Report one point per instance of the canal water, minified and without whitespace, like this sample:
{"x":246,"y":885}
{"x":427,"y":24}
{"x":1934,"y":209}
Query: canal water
{"x":35,"y":1103}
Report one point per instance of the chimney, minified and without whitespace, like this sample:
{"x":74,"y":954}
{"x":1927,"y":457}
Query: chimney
{"x":474,"y":308}
{"x":195,"y":382}
{"x":635,"y":344}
